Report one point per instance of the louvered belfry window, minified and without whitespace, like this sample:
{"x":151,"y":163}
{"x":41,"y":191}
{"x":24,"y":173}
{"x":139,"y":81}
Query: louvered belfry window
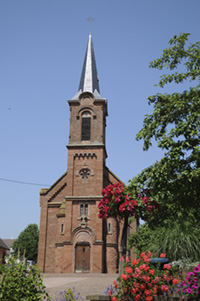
{"x":86,"y":126}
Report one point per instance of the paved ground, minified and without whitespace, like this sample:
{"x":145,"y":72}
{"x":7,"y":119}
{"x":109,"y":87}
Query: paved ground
{"x":85,"y":284}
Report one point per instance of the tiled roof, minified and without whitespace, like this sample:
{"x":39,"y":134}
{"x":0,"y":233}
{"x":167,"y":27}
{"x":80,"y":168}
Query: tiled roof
{"x":3,"y":245}
{"x":9,"y":242}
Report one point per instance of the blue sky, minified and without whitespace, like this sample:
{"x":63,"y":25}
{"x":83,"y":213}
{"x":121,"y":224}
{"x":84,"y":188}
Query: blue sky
{"x":43,"y":44}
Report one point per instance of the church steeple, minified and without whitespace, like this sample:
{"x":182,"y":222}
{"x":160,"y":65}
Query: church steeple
{"x":89,"y":81}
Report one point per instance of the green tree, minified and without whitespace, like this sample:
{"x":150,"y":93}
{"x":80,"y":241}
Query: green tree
{"x":27,"y":242}
{"x":140,"y":240}
{"x":175,"y":125}
{"x":174,"y":181}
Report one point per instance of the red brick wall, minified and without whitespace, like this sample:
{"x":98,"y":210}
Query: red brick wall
{"x":60,"y":205}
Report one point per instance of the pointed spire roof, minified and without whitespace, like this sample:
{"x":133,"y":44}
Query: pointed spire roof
{"x":89,"y":81}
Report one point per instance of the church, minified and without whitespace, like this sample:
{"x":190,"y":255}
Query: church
{"x":73,"y":239}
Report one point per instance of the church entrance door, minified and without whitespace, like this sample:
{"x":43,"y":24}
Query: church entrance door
{"x":82,"y":258}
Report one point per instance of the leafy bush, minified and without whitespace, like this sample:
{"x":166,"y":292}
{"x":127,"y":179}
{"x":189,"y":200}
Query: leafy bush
{"x":178,"y":240}
{"x":16,"y":283}
{"x":140,"y":240}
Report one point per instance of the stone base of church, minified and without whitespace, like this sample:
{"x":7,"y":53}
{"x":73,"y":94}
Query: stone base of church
{"x":82,"y":258}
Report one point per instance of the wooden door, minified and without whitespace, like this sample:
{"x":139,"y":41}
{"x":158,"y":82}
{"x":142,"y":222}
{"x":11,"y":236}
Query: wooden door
{"x":82,"y":258}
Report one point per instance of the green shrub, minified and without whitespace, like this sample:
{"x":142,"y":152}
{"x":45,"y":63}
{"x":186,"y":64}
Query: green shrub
{"x":17,"y":283}
{"x":178,"y":240}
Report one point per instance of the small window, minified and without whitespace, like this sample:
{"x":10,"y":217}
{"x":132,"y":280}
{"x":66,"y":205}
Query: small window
{"x":83,"y":209}
{"x":86,"y":126}
{"x":62,"y":229}
{"x":86,"y":209}
{"x":109,"y":227}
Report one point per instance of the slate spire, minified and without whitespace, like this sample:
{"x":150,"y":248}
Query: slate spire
{"x":89,"y":81}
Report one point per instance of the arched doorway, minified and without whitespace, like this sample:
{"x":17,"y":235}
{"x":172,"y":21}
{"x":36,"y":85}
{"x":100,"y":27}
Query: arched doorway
{"x":82,"y":257}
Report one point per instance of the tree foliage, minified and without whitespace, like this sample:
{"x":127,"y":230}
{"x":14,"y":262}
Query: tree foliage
{"x":16,"y":283}
{"x":27,"y":242}
{"x":179,"y":241}
{"x":175,"y":125}
{"x":174,"y":181}
{"x":140,"y":240}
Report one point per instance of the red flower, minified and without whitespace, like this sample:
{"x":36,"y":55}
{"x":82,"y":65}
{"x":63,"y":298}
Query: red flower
{"x":175,"y":281}
{"x":162,"y":255}
{"x":149,"y":298}
{"x":147,"y":292}
{"x":144,"y":267}
{"x":146,"y":259}
{"x":114,"y":299}
{"x":165,"y":288}
{"x":110,"y":293}
{"x":137,"y":297}
{"x":145,"y":278}
{"x":142,"y":286}
{"x":151,"y":272}
{"x":124,"y":277}
{"x":115,"y":284}
{"x":128,"y":270}
{"x":167,"y":266}
{"x":136,"y":284}
{"x":135,"y":261}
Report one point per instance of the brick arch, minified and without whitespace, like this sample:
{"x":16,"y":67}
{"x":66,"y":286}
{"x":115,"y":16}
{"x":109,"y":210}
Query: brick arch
{"x":79,"y":233}
{"x":85,"y":109}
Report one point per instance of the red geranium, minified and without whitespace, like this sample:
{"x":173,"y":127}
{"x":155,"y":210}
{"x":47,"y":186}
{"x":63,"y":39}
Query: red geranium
{"x":117,"y":203}
{"x":167,"y":266}
{"x":141,"y":279}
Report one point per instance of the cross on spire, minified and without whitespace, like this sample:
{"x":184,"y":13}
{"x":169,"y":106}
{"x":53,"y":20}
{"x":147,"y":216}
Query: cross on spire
{"x":90,"y":19}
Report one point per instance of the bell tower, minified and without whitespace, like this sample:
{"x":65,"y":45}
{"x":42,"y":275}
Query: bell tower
{"x":86,"y":147}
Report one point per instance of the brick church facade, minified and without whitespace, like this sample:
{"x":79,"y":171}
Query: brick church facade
{"x":72,"y":237}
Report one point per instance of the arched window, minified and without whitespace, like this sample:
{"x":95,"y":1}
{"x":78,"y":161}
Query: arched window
{"x":86,"y":126}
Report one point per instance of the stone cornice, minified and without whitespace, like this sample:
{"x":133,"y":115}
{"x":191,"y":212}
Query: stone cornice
{"x":54,"y":204}
{"x":87,"y":198}
{"x":85,"y":146}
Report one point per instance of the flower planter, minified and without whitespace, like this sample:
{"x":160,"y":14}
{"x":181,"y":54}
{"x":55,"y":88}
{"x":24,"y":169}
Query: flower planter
{"x":98,"y":298}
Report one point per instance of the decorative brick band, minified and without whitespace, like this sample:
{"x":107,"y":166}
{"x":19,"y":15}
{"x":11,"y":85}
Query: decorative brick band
{"x":85,"y":155}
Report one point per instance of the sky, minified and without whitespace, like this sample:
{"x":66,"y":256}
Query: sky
{"x":43,"y":44}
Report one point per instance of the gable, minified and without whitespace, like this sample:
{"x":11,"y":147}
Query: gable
{"x":3,"y":245}
{"x":110,"y":177}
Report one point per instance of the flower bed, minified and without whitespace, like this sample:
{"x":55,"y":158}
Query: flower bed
{"x":142,"y":280}
{"x":190,"y":287}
